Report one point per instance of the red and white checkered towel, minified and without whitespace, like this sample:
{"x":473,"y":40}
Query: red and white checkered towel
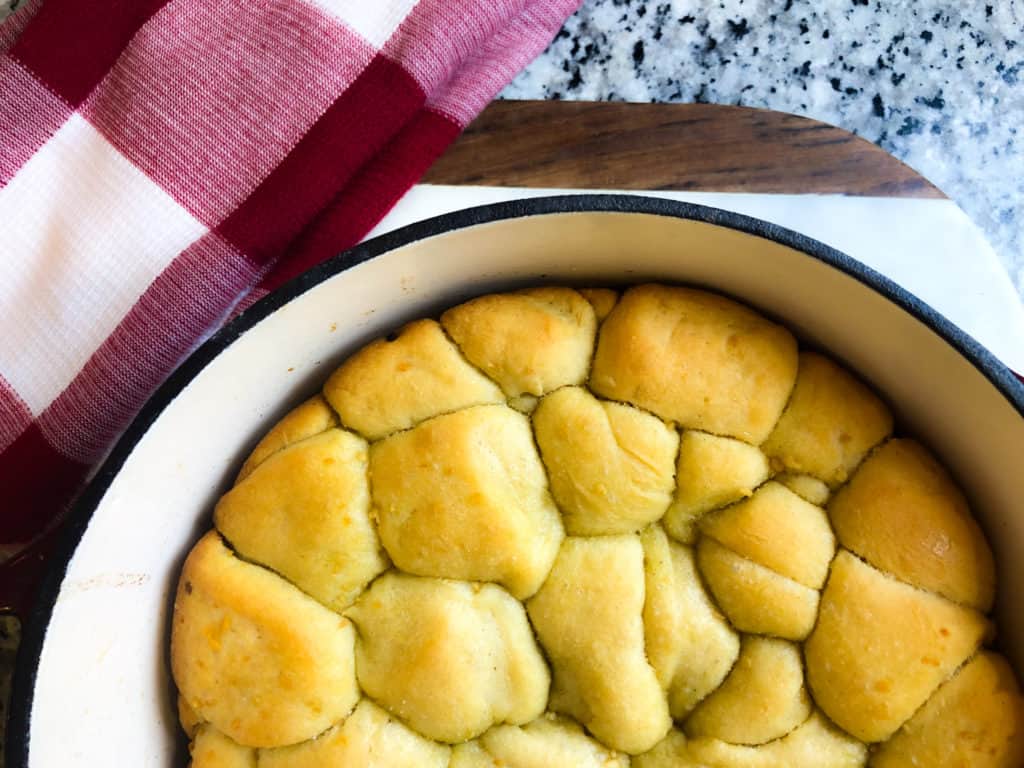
{"x":160,"y":159}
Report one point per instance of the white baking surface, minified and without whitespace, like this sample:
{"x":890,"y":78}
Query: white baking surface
{"x":930,"y":247}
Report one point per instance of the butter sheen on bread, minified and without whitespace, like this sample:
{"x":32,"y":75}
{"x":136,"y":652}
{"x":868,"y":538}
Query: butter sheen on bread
{"x":579,"y":527}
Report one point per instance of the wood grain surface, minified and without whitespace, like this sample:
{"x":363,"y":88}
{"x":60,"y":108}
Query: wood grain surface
{"x":669,"y":146}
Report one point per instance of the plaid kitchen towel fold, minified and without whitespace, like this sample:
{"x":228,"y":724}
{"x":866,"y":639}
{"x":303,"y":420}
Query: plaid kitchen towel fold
{"x":162,"y":159}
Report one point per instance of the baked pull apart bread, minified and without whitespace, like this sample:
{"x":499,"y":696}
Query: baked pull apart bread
{"x":563,"y":527}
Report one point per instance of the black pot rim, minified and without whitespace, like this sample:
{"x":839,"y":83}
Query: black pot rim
{"x":35,"y":624}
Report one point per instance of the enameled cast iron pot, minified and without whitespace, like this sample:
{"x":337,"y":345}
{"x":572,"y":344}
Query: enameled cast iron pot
{"x":92,"y":684}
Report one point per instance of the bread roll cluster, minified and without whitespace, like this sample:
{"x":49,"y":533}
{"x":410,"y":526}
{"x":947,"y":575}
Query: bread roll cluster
{"x":579,"y":528}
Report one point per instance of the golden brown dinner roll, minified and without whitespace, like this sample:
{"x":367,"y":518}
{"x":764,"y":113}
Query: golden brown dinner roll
{"x":975,"y":719}
{"x":610,"y":466}
{"x":903,"y":514}
{"x":806,"y":487}
{"x":671,"y":752}
{"x":464,"y":496}
{"x":881,"y":648}
{"x":368,"y":738}
{"x":688,"y":642}
{"x":530,"y":342}
{"x":449,"y":658}
{"x":254,"y":656}
{"x":547,"y":742}
{"x":815,"y":743}
{"x":588,"y":617}
{"x":779,"y":530}
{"x":305,"y":420}
{"x":470,"y":754}
{"x":711,"y":472}
{"x":305,"y":513}
{"x":188,"y":717}
{"x":756,"y":599}
{"x":212,"y":749}
{"x":762,"y":699}
{"x":697,"y":359}
{"x":572,"y":528}
{"x":390,"y":385}
{"x":524,"y":403}
{"x":601,"y":299}
{"x":831,"y":422}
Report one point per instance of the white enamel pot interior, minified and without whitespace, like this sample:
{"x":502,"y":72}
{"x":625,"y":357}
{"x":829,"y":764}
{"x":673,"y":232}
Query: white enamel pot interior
{"x":92,"y":685}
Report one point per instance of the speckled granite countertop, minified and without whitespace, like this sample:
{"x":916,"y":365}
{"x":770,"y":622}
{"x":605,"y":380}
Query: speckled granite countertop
{"x":939,"y":84}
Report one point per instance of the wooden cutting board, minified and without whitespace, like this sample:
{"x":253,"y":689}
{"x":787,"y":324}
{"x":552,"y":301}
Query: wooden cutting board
{"x":705,"y":147}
